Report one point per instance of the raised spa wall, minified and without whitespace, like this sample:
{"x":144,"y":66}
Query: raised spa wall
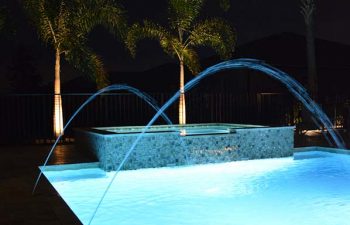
{"x":170,"y":149}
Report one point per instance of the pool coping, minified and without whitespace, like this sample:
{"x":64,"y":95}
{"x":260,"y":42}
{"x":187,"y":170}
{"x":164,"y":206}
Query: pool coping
{"x":105,"y":132}
{"x":74,"y":166}
{"x":91,"y":165}
{"x":321,"y":149}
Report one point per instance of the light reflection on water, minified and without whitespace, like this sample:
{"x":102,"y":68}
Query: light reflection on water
{"x":268,"y":192}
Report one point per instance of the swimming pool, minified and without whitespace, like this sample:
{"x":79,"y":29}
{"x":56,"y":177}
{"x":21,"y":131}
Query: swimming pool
{"x":314,"y":190}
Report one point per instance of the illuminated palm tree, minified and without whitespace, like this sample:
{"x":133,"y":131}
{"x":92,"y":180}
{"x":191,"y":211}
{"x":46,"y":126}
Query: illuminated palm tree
{"x":64,"y":25}
{"x":183,"y":34}
{"x":308,"y":11}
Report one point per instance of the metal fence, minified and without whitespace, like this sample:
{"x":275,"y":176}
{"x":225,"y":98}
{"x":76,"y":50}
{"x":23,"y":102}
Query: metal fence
{"x":27,"y":118}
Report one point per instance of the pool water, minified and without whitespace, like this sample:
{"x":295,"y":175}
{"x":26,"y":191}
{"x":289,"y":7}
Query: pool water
{"x":284,"y":191}
{"x":190,"y":128}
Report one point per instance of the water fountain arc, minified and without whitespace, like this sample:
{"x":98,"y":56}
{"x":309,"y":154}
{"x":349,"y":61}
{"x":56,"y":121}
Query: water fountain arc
{"x":115,"y":87}
{"x":244,"y":63}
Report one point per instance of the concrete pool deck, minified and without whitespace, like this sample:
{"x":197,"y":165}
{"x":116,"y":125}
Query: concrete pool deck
{"x":19,"y":169}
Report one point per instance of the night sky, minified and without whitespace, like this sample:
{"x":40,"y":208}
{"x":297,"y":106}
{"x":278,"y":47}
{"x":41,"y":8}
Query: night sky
{"x":253,"y":19}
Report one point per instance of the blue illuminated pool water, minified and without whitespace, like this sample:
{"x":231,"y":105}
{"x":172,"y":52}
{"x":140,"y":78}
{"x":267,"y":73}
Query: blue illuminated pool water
{"x":314,"y":191}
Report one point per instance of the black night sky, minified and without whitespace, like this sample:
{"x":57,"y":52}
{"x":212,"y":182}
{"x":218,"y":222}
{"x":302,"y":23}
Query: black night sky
{"x":253,"y":19}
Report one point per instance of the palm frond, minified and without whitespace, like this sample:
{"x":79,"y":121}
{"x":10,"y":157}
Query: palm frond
{"x":215,"y":33}
{"x":307,"y":9}
{"x":113,"y":16}
{"x":62,"y":24}
{"x":107,"y":13}
{"x":149,"y":30}
{"x":176,"y":48}
{"x":191,"y":60}
{"x":46,"y":29}
{"x":133,"y":37}
{"x":182,"y":13}
{"x":86,"y":61}
{"x":225,"y":5}
{"x":39,"y":16}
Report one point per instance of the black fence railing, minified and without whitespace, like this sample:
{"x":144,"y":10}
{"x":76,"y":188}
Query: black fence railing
{"x":27,"y":118}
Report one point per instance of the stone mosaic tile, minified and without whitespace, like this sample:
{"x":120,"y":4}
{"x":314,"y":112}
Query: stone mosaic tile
{"x":171,"y":149}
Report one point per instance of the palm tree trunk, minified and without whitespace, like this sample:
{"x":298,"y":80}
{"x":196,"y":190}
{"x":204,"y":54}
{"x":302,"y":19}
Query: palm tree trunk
{"x":311,"y":59}
{"x":182,"y":103}
{"x":57,"y":111}
{"x":308,"y":8}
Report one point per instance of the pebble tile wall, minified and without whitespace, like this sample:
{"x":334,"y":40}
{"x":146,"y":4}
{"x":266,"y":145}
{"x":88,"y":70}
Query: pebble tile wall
{"x":171,"y":149}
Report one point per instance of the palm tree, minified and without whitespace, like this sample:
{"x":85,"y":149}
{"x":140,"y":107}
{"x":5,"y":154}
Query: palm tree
{"x":308,"y":8}
{"x":64,"y":25}
{"x":183,"y":34}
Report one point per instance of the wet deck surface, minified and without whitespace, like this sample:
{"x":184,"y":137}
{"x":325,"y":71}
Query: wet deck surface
{"x":18,"y":172}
